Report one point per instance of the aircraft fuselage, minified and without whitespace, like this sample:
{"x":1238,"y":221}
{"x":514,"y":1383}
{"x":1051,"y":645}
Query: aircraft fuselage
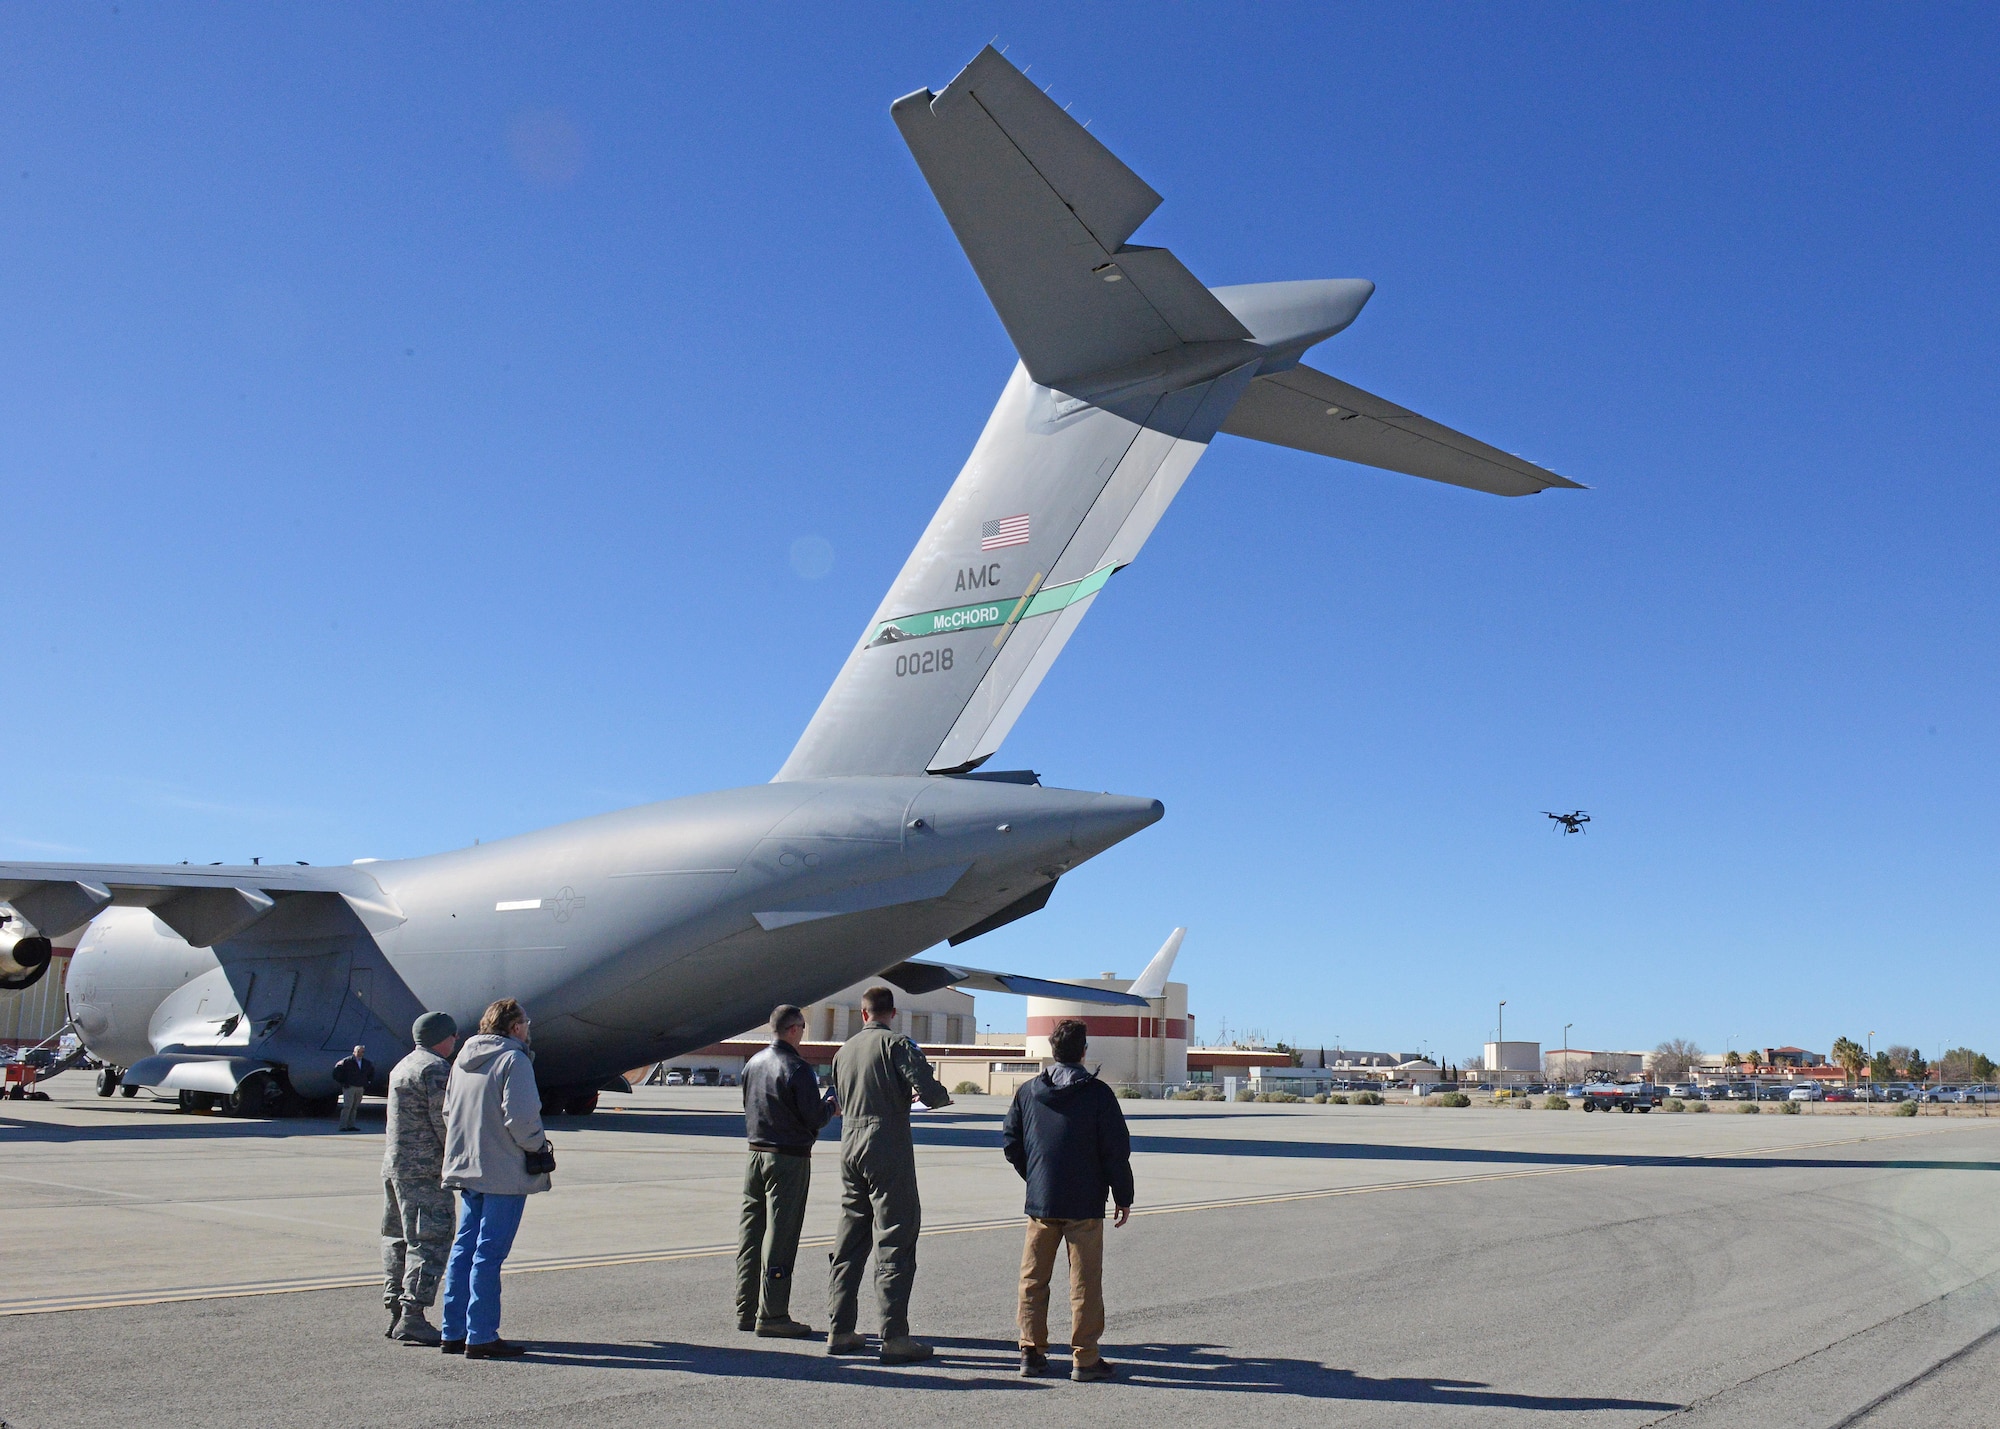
{"x":629,"y":936}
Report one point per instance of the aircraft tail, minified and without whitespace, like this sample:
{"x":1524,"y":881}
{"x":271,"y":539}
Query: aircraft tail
{"x":1129,"y":367}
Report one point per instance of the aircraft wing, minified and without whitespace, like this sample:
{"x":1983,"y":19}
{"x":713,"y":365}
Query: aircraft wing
{"x":203,"y":905}
{"x":1307,"y":410}
{"x":1043,"y":210}
{"x":919,"y":976}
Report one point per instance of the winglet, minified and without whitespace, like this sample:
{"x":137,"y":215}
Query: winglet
{"x":1153,"y":981}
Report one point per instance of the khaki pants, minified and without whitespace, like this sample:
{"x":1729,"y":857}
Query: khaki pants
{"x":1086,"y":1285}
{"x":350,"y":1108}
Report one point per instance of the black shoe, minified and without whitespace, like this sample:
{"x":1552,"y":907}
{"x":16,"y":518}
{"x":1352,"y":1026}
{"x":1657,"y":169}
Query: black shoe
{"x":1034,"y":1363}
{"x":395,"y":1319}
{"x":746,"y":1322}
{"x":495,"y":1350}
{"x":1095,"y":1372}
{"x":452,"y":1347}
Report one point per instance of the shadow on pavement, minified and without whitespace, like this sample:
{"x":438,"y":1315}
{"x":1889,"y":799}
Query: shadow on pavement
{"x":976,"y":1131}
{"x":962,"y":1364}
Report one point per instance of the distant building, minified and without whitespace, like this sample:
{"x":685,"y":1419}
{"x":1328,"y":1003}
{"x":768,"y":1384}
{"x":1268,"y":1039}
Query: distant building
{"x":1129,"y":1046}
{"x":1791,"y":1057}
{"x":1512,"y":1061}
{"x":1575,"y":1064}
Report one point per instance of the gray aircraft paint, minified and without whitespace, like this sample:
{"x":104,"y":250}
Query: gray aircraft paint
{"x":640,"y":934}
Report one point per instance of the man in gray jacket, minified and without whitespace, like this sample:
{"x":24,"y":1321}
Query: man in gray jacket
{"x":417,"y":1212}
{"x":492,"y":1120}
{"x":783,"y":1111}
{"x":876,"y":1075}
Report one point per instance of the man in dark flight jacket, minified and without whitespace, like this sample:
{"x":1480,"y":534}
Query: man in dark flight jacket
{"x":783,"y":1111}
{"x":1066,"y":1135}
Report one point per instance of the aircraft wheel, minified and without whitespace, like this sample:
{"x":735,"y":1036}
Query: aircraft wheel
{"x":581,"y":1103}
{"x":197,"y":1101}
{"x":257,"y":1095}
{"x":127,"y":1091}
{"x":107,"y":1080}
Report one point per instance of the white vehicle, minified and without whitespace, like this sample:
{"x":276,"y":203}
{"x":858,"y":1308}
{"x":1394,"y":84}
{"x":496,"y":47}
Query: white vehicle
{"x":1980,"y":1094}
{"x":1807,"y":1093}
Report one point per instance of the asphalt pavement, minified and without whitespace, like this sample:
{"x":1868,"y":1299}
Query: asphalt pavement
{"x":1290,"y":1265}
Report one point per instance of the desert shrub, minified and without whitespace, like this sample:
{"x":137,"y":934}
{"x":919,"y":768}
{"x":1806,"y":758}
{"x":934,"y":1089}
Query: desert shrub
{"x":1905,"y":1109}
{"x":1213,"y":1094}
{"x":1129,"y":1093}
{"x":1448,"y":1099}
{"x":1366,"y":1099}
{"x":1244,"y":1094}
{"x":1555,"y":1102}
{"x":1336,"y":1098}
{"x":1188,"y":1094}
{"x":1673,"y":1104}
{"x":1749,"y":1108}
{"x":1278,"y":1097}
{"x":1319,"y":1098}
{"x":968,"y":1089}
{"x":1698,"y":1107}
{"x":1788,"y":1108}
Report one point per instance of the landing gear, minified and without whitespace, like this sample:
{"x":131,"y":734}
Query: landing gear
{"x":569,"y":1102}
{"x":197,"y":1101}
{"x":581,"y":1103}
{"x":125,"y":1090}
{"x":260,"y":1094}
{"x":107,"y":1081}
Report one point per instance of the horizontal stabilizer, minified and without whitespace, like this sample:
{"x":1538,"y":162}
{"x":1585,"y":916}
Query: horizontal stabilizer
{"x":918,"y":976}
{"x":1309,"y":411}
{"x":1043,"y":211}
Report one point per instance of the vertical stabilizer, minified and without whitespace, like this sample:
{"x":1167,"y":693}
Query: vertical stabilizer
{"x":1153,"y":981}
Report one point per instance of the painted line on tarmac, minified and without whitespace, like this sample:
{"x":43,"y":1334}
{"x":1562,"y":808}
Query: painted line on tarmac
{"x":61,"y":1304}
{"x":53,"y":1305}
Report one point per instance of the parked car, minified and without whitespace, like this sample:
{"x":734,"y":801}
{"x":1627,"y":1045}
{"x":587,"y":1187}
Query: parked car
{"x":1843,"y":1094}
{"x":1684,"y":1090}
{"x":1980,"y":1094}
{"x":1772,"y":1092}
{"x":1938,"y":1094}
{"x":676,"y":1077}
{"x":1573,"y":1090}
{"x":1806,"y":1092}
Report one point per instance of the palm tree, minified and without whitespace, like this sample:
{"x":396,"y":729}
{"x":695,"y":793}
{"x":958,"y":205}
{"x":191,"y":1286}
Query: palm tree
{"x":1732,"y":1060}
{"x":1851,"y":1056}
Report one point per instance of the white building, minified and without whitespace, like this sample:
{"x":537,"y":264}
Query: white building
{"x":1128,"y":1047}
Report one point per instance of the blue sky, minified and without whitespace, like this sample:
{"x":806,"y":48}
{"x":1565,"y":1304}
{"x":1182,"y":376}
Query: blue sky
{"x":408,"y":415}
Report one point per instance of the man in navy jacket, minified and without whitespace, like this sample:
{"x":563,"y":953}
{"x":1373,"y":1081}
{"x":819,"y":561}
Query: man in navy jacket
{"x":1066,"y":1135}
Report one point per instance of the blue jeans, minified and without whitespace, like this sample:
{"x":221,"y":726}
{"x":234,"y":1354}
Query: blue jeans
{"x":486,"y":1226}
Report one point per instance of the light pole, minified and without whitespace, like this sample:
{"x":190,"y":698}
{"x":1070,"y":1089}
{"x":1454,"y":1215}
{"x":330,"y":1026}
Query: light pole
{"x":1567,"y":1073}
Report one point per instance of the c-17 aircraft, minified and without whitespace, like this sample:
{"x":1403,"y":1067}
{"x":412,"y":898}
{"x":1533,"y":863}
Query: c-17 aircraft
{"x":634,"y":936}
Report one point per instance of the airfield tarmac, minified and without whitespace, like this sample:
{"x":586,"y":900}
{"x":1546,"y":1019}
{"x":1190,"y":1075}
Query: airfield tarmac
{"x":1289,"y":1265}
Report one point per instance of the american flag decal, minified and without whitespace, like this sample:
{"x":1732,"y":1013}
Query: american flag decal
{"x":1007,"y":531}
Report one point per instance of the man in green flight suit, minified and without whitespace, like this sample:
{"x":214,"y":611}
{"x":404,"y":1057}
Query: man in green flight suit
{"x":876,"y":1075}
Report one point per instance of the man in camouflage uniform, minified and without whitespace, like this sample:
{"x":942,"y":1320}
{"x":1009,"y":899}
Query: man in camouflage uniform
{"x":876,"y":1074}
{"x":418,"y":1217}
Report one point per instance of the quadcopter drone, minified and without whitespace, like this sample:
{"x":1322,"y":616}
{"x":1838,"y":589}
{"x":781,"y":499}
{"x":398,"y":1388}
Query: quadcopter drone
{"x":1571,"y":823}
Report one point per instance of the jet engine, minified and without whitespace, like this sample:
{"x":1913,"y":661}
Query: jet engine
{"x":24,"y":954}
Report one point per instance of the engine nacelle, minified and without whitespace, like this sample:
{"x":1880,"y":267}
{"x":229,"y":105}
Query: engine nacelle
{"x":24,"y":954}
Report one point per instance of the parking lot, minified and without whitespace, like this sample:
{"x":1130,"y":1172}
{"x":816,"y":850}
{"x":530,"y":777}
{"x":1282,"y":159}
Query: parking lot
{"x":1300,"y":1264}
